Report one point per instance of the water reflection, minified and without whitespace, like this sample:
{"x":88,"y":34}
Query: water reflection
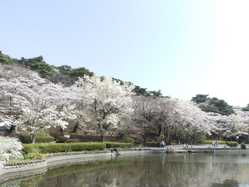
{"x":227,"y":183}
{"x":154,"y":170}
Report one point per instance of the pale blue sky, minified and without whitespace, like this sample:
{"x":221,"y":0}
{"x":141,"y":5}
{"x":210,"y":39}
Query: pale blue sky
{"x":157,"y":44}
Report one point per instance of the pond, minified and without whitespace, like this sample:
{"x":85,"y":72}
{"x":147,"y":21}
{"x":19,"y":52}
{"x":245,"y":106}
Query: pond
{"x":223,"y":169}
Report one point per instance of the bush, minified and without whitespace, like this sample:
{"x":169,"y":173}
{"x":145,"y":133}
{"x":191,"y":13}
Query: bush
{"x":129,"y":140}
{"x":61,"y":139}
{"x":41,"y":137}
{"x":152,"y":144}
{"x":44,"y":137}
{"x":62,"y":147}
{"x":34,"y":156}
{"x":221,"y":142}
{"x":25,"y":138}
{"x":53,"y":148}
{"x":87,"y":146}
{"x":30,"y":148}
{"x":232,"y":143}
{"x":243,"y":146}
{"x":118,"y":145}
{"x":10,"y":148}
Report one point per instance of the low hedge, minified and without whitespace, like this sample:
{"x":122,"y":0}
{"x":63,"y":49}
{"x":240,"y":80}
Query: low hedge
{"x":222,"y":142}
{"x":232,"y":143}
{"x":152,"y":144}
{"x":118,"y":145}
{"x":211,"y":142}
{"x":46,"y":148}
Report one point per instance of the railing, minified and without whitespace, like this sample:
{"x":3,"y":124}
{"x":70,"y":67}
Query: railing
{"x":21,"y":163}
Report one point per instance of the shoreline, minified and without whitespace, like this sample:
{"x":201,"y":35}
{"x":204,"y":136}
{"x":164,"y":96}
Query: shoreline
{"x":66,"y":159}
{"x":55,"y":161}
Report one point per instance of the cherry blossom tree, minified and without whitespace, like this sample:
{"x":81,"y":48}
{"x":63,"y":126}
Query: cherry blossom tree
{"x":230,"y":126}
{"x":36,"y":103}
{"x":189,"y":118}
{"x":100,"y":103}
{"x":169,"y":117}
{"x":106,"y":101}
{"x":42,"y":116}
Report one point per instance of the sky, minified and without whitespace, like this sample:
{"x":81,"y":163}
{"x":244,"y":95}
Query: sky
{"x":182,"y":47}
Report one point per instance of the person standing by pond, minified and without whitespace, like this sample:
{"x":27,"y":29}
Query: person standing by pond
{"x":162,"y":144}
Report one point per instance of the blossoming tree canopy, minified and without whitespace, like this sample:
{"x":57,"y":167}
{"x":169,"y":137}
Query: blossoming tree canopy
{"x":106,"y":100}
{"x":32,"y":102}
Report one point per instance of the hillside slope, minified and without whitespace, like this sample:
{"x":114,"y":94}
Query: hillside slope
{"x":32,"y":99}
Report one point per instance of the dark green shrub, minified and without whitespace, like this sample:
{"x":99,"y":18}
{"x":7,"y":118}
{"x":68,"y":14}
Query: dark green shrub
{"x":5,"y":59}
{"x":41,"y":137}
{"x":232,"y":143}
{"x":25,"y":138}
{"x":129,"y":140}
{"x":61,"y":139}
{"x":87,"y":146}
{"x":243,"y":146}
{"x":118,"y":145}
{"x":39,"y":65}
{"x":80,"y":72}
{"x":44,"y":137}
{"x":213,"y":104}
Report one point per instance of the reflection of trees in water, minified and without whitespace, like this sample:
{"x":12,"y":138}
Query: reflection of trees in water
{"x":11,"y":184}
{"x":28,"y":182}
{"x":227,"y":183}
{"x":176,"y":170}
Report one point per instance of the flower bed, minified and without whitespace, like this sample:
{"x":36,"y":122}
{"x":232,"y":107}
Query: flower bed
{"x":10,"y":148}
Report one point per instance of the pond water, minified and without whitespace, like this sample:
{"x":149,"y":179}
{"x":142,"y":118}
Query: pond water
{"x":223,"y":169}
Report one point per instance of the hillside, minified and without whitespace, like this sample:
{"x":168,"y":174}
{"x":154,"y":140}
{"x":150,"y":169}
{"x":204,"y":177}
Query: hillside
{"x":36,"y":96}
{"x":64,"y":74}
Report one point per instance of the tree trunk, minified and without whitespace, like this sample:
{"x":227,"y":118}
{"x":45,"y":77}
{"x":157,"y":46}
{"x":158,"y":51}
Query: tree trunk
{"x":33,"y":138}
{"x":101,"y":130}
{"x":102,"y":135}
